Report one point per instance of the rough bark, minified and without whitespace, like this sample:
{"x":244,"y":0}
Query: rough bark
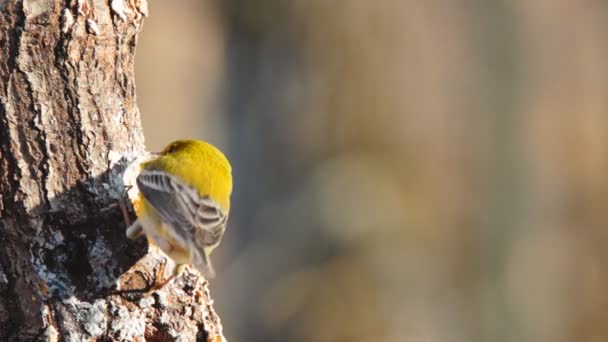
{"x":68,"y":126}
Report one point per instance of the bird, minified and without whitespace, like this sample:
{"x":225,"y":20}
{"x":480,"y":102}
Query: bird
{"x":181,"y":198}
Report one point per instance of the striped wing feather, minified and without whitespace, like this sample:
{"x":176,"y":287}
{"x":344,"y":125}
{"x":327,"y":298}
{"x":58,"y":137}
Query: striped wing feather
{"x":197,"y":220}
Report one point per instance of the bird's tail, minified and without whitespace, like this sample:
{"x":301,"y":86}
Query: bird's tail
{"x":203,"y":264}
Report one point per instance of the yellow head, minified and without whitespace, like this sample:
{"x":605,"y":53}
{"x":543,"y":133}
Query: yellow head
{"x":199,"y":164}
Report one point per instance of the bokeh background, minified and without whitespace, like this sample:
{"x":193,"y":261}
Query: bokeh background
{"x":404,"y":170}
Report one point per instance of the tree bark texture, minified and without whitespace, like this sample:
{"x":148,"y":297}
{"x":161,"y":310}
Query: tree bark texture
{"x":69,"y":124}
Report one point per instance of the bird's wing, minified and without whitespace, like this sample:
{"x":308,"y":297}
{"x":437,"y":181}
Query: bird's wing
{"x":198,"y":221}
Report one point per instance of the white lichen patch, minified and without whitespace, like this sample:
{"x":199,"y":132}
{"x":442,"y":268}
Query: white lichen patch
{"x":127,"y":325}
{"x":188,"y":311}
{"x":119,"y":178}
{"x":67,"y":20}
{"x":164,"y":318}
{"x":129,"y":178}
{"x":92,"y":27}
{"x":90,"y":317}
{"x":56,"y":239}
{"x":120,"y":9}
{"x":95,"y":319}
{"x":142,"y":7}
{"x":162,"y":299}
{"x":51,"y":334}
{"x":114,"y":157}
{"x":103,"y":264}
{"x":146,"y":302}
{"x":52,"y":284}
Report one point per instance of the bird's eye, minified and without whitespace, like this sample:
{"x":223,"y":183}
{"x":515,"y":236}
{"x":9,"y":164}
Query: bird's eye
{"x":169,"y":149}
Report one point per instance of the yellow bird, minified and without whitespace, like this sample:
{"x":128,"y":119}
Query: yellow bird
{"x":182,"y":201}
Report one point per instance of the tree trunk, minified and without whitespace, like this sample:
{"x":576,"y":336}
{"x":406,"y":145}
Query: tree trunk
{"x":69,"y":124}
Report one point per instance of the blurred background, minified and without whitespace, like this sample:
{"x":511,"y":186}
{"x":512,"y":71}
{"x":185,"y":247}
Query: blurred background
{"x":404,"y":170}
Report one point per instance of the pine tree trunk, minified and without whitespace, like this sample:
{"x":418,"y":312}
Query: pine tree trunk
{"x":68,"y":126}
